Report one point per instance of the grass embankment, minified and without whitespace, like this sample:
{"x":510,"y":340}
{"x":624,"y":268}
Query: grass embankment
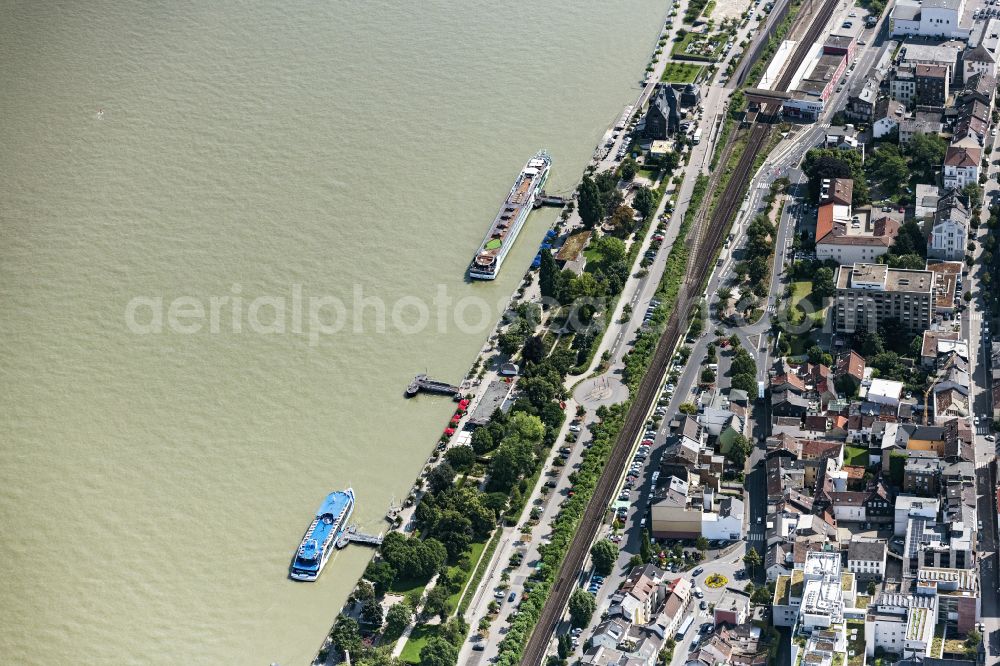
{"x":416,"y":642}
{"x":681,"y":72}
{"x":475,"y":551}
{"x":479,"y":572}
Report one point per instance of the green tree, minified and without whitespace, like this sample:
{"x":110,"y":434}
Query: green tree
{"x":547,"y":275}
{"x":688,"y":408}
{"x":701,"y":543}
{"x":399,"y":616}
{"x":441,"y":478}
{"x":926,"y":152}
{"x":345,"y":635}
{"x":508,"y":343}
{"x":381,"y":574}
{"x":454,"y":631}
{"x":707,"y":376}
{"x":889,"y":168}
{"x":610,"y":248}
{"x":823,"y":286}
{"x":761,"y":596}
{"x":581,"y":608}
{"x":752,"y":559}
{"x":907,"y":261}
{"x":973,"y":639}
{"x":974,"y":192}
{"x":589,"y":202}
{"x":743,"y":363}
{"x":823,"y":163}
{"x":482,"y":441}
{"x":737,"y":457}
{"x":909,"y":240}
{"x":364,"y":591}
{"x":871,"y":588}
{"x":371,"y":613}
{"x":436,"y":603}
{"x":461,"y":458}
{"x":643,"y":201}
{"x":645,"y":547}
{"x":622,"y":221}
{"x":604,"y":554}
{"x":745,"y":382}
{"x":438,"y":652}
{"x":628,"y":169}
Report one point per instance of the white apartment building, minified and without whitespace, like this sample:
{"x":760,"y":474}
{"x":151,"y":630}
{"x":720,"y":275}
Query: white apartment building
{"x":928,"y":18}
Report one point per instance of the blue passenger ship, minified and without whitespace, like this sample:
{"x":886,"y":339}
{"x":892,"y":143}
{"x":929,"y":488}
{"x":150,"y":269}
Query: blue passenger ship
{"x":321,"y":537}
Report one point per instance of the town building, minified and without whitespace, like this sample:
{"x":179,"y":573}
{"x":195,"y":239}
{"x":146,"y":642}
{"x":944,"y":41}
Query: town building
{"x":903,"y":84}
{"x":980,"y":56}
{"x":928,"y":18}
{"x":961,"y":166}
{"x":868,"y":295}
{"x":733,"y":608}
{"x":866,"y":559}
{"x":663,"y":117}
{"x":931,"y":84}
{"x":948,"y":232}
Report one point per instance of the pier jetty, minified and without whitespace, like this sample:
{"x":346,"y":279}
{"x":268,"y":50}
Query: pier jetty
{"x":544,"y":199}
{"x":351,"y":534}
{"x":423,"y":383}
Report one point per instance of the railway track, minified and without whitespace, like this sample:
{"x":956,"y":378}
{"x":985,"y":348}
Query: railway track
{"x":699,"y":266}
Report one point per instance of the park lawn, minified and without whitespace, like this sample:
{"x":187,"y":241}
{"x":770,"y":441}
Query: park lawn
{"x":404,"y":585}
{"x":801,"y":290}
{"x":856,"y":455}
{"x":474,"y":552}
{"x":418,"y":639}
{"x":648,"y":174}
{"x":681,"y":72}
{"x":594,"y":258}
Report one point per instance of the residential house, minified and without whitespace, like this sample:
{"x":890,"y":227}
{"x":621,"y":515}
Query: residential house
{"x":980,"y":56}
{"x":961,"y":166}
{"x":920,"y":123}
{"x":925,"y":202}
{"x":903,"y":84}
{"x":866,"y":559}
{"x":641,"y":595}
{"x":948,"y":233}
{"x":957,"y":591}
{"x":888,"y":114}
{"x":932,"y":84}
{"x":859,"y":239}
{"x":851,"y":366}
{"x":732,"y":609}
{"x":929,"y":348}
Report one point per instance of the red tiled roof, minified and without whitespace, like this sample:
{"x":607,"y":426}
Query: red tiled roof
{"x":962,"y":157}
